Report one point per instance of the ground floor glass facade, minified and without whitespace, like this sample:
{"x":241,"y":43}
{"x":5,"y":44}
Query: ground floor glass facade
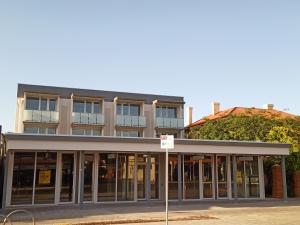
{"x":55,"y":177}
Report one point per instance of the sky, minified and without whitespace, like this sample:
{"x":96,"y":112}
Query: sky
{"x":239,"y":53}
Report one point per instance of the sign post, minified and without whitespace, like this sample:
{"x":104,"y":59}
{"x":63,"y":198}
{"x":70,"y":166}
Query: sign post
{"x":167,"y":142}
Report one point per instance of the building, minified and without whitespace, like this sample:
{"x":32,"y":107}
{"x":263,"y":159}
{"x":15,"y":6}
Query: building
{"x":81,"y":146}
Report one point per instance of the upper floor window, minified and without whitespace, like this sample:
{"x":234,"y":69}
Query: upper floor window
{"x":86,"y":131}
{"x":128,"y":109}
{"x":128,"y":133}
{"x":166,"y":112}
{"x":86,"y":106}
{"x":40,"y":103}
{"x":39,"y":130}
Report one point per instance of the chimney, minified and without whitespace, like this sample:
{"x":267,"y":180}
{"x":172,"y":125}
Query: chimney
{"x":268,"y":106}
{"x":215,"y":106}
{"x":189,"y":112}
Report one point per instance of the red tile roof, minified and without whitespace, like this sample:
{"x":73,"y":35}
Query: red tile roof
{"x":267,"y":113}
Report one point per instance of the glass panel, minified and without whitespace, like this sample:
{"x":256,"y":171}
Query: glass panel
{"x":240,"y":178}
{"x":88,"y":107}
{"x":51,"y":131}
{"x":88,"y":177}
{"x":125,"y":109}
{"x":222,"y":176}
{"x":88,"y":132}
{"x":78,"y":106}
{"x":252,"y":178}
{"x":125,"y":177}
{"x":107,"y":177}
{"x":119,"y":109}
{"x":164,"y":112}
{"x":158,"y":112}
{"x":207,"y":177}
{"x":141,"y":176}
{"x":32,"y":103}
{"x":154,"y":177}
{"x":52,"y":105}
{"x":97,"y":132}
{"x":45,"y":178}
{"x":66,"y":191}
{"x":43,"y":104}
{"x":191,"y":177}
{"x":97,"y":107}
{"x":134,"y":110}
{"x":31,"y":130}
{"x":42,"y":130}
{"x":119,"y":133}
{"x":22,"y":183}
{"x":77,"y":131}
{"x":173,"y":176}
{"x":172,"y":112}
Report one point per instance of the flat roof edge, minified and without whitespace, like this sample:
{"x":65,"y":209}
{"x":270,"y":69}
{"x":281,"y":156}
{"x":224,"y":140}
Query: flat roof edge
{"x":39,"y":137}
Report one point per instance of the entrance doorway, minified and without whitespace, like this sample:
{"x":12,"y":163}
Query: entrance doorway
{"x":247,"y":177}
{"x":147,"y":176}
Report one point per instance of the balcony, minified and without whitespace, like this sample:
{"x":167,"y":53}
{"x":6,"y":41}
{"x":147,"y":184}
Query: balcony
{"x":88,"y":118}
{"x":130,"y":121}
{"x":40,"y":116}
{"x":173,"y":123}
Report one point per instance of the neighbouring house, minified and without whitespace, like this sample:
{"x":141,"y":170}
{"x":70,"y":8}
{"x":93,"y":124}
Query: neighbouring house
{"x":76,"y":146}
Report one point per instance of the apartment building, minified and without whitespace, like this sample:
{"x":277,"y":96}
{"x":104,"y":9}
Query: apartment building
{"x":81,"y":146}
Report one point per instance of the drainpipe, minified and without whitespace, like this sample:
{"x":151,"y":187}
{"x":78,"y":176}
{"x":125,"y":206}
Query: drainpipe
{"x":284,"y":189}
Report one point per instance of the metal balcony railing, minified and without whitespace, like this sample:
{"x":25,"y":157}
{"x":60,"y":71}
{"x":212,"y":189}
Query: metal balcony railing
{"x":88,"y":118}
{"x":41,"y":116}
{"x":175,"y":123}
{"x":130,"y":121}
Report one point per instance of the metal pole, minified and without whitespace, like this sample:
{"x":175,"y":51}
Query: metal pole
{"x":285,"y":197}
{"x":167,"y":184}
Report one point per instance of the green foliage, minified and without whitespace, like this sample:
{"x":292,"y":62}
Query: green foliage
{"x":254,"y":128}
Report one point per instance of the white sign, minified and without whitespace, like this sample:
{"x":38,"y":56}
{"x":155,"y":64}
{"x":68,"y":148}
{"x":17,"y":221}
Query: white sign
{"x":167,"y":141}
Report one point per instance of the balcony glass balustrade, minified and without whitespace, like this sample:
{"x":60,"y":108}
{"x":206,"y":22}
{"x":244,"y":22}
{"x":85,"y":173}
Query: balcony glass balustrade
{"x":40,"y":116}
{"x":88,"y":118}
{"x":130,"y":121}
{"x":175,"y":123}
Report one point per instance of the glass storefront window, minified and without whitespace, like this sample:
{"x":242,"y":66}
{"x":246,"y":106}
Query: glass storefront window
{"x":207,"y":174}
{"x":126,"y":176}
{"x":173,"y":176}
{"x":22,"y":183}
{"x":191,"y":177}
{"x":222,"y":176}
{"x":154,"y":177}
{"x":45,"y":177}
{"x":88,"y":177}
{"x":107,"y":177}
{"x":66,"y":189}
{"x":141,"y":175}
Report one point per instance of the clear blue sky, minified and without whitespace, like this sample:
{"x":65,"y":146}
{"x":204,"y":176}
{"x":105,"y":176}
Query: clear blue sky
{"x":241,"y":53}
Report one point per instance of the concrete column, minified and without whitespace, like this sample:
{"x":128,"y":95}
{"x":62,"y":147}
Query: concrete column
{"x":234,"y":170}
{"x":179,"y":177}
{"x":283,"y":178}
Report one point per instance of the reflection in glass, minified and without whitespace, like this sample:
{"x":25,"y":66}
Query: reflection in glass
{"x":173,"y":176}
{"x":66,"y":191}
{"x":22,"y":183}
{"x":107,"y":177}
{"x":88,"y":177}
{"x":45,"y":178}
{"x":191,"y":177}
{"x":222,"y":176}
{"x":32,"y":103}
{"x":154,"y":176}
{"x":141,"y":176}
{"x":125,"y":177}
{"x":207,"y":177}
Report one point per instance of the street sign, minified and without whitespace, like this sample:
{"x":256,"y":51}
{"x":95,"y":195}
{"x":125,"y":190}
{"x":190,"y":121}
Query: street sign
{"x":166,"y":141}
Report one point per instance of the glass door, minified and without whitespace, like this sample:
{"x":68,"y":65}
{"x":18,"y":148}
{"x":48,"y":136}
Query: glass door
{"x":67,"y":177}
{"x":88,"y":177}
{"x":154,"y":177}
{"x":141,"y":177}
{"x":247,"y":177}
{"x":191,"y":177}
{"x":207,"y":176}
{"x":222,"y":169}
